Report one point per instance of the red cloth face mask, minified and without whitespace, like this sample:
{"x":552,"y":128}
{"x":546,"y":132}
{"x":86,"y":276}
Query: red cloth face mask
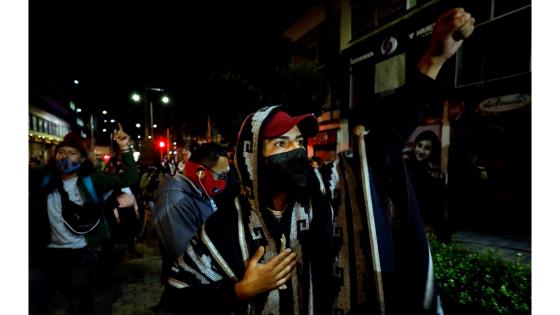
{"x":211,"y":185}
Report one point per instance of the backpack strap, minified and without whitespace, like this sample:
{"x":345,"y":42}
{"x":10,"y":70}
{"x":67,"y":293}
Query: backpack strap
{"x":89,"y":185}
{"x":87,"y":182}
{"x":45,"y":182}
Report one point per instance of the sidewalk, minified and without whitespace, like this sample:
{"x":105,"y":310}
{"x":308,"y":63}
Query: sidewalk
{"x":509,"y":247}
{"x":135,"y":288}
{"x":139,"y":282}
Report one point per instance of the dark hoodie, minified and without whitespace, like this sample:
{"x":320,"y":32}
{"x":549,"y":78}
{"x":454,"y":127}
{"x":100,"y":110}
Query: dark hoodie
{"x":180,"y":209}
{"x":386,"y":268}
{"x":216,"y":258}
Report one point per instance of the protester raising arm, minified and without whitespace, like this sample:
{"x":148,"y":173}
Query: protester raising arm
{"x":129,"y":176}
{"x":449,"y":33}
{"x":405,"y":282}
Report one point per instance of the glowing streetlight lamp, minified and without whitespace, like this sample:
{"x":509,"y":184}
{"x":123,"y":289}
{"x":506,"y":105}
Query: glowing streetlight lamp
{"x":136,"y":97}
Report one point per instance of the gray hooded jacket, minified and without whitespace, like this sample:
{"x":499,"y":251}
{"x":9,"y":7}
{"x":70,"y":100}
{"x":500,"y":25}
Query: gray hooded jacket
{"x":180,"y":210}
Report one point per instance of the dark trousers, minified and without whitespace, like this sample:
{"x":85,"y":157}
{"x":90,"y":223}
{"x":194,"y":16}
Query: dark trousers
{"x":126,"y":230}
{"x":179,"y":302}
{"x":168,"y":302}
{"x":70,"y":270}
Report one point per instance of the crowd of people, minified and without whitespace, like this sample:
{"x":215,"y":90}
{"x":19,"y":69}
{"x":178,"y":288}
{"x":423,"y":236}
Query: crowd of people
{"x":270,"y":231}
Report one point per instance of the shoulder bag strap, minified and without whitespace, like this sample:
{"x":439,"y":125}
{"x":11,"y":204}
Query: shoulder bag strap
{"x":89,"y":185}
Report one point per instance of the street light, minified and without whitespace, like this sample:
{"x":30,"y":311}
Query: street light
{"x":137,"y":98}
{"x":104,"y":127}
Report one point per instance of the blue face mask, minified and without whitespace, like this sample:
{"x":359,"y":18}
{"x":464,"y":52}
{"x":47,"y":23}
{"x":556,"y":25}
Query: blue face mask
{"x":66,"y":166}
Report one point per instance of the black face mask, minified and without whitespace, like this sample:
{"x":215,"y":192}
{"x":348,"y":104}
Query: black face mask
{"x":287,"y":172}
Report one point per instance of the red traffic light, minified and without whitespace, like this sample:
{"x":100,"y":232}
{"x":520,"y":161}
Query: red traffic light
{"x":162,"y":144}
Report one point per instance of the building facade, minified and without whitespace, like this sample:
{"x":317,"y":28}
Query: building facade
{"x":484,"y":123}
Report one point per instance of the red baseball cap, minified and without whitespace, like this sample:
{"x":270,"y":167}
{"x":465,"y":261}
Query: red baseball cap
{"x":281,"y":122}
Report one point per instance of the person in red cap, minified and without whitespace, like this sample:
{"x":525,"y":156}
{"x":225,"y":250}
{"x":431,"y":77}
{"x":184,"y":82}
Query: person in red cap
{"x":274,"y":252}
{"x":67,"y":225}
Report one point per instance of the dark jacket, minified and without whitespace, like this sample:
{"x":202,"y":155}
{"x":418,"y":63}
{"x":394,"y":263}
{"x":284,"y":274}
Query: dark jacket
{"x":215,"y":260}
{"x":39,"y":225}
{"x":403,"y":281}
{"x":429,"y":189}
{"x":180,"y":210}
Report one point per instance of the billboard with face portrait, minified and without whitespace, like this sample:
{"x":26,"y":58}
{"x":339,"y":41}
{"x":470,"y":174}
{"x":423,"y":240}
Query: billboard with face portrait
{"x":425,"y":144}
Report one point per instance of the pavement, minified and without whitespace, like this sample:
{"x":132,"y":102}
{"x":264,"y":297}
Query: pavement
{"x":510,"y":248}
{"x":135,"y":289}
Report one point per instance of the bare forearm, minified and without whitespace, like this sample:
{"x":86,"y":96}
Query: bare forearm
{"x":430,"y":65}
{"x":449,"y":33}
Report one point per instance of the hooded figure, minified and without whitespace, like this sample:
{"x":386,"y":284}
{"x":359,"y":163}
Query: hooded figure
{"x":230,"y":238}
{"x":223,"y":264}
{"x":384,"y":265}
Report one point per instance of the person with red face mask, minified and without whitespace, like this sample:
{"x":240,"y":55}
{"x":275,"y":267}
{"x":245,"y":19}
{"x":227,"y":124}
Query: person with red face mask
{"x":183,"y":203}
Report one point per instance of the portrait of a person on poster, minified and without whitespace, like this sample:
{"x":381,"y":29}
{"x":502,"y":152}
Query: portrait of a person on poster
{"x":423,"y":160}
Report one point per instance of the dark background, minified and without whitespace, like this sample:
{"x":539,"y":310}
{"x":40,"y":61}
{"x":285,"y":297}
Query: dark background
{"x":114,"y":48}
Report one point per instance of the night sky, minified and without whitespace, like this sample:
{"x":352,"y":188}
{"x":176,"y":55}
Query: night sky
{"x":113,"y":48}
